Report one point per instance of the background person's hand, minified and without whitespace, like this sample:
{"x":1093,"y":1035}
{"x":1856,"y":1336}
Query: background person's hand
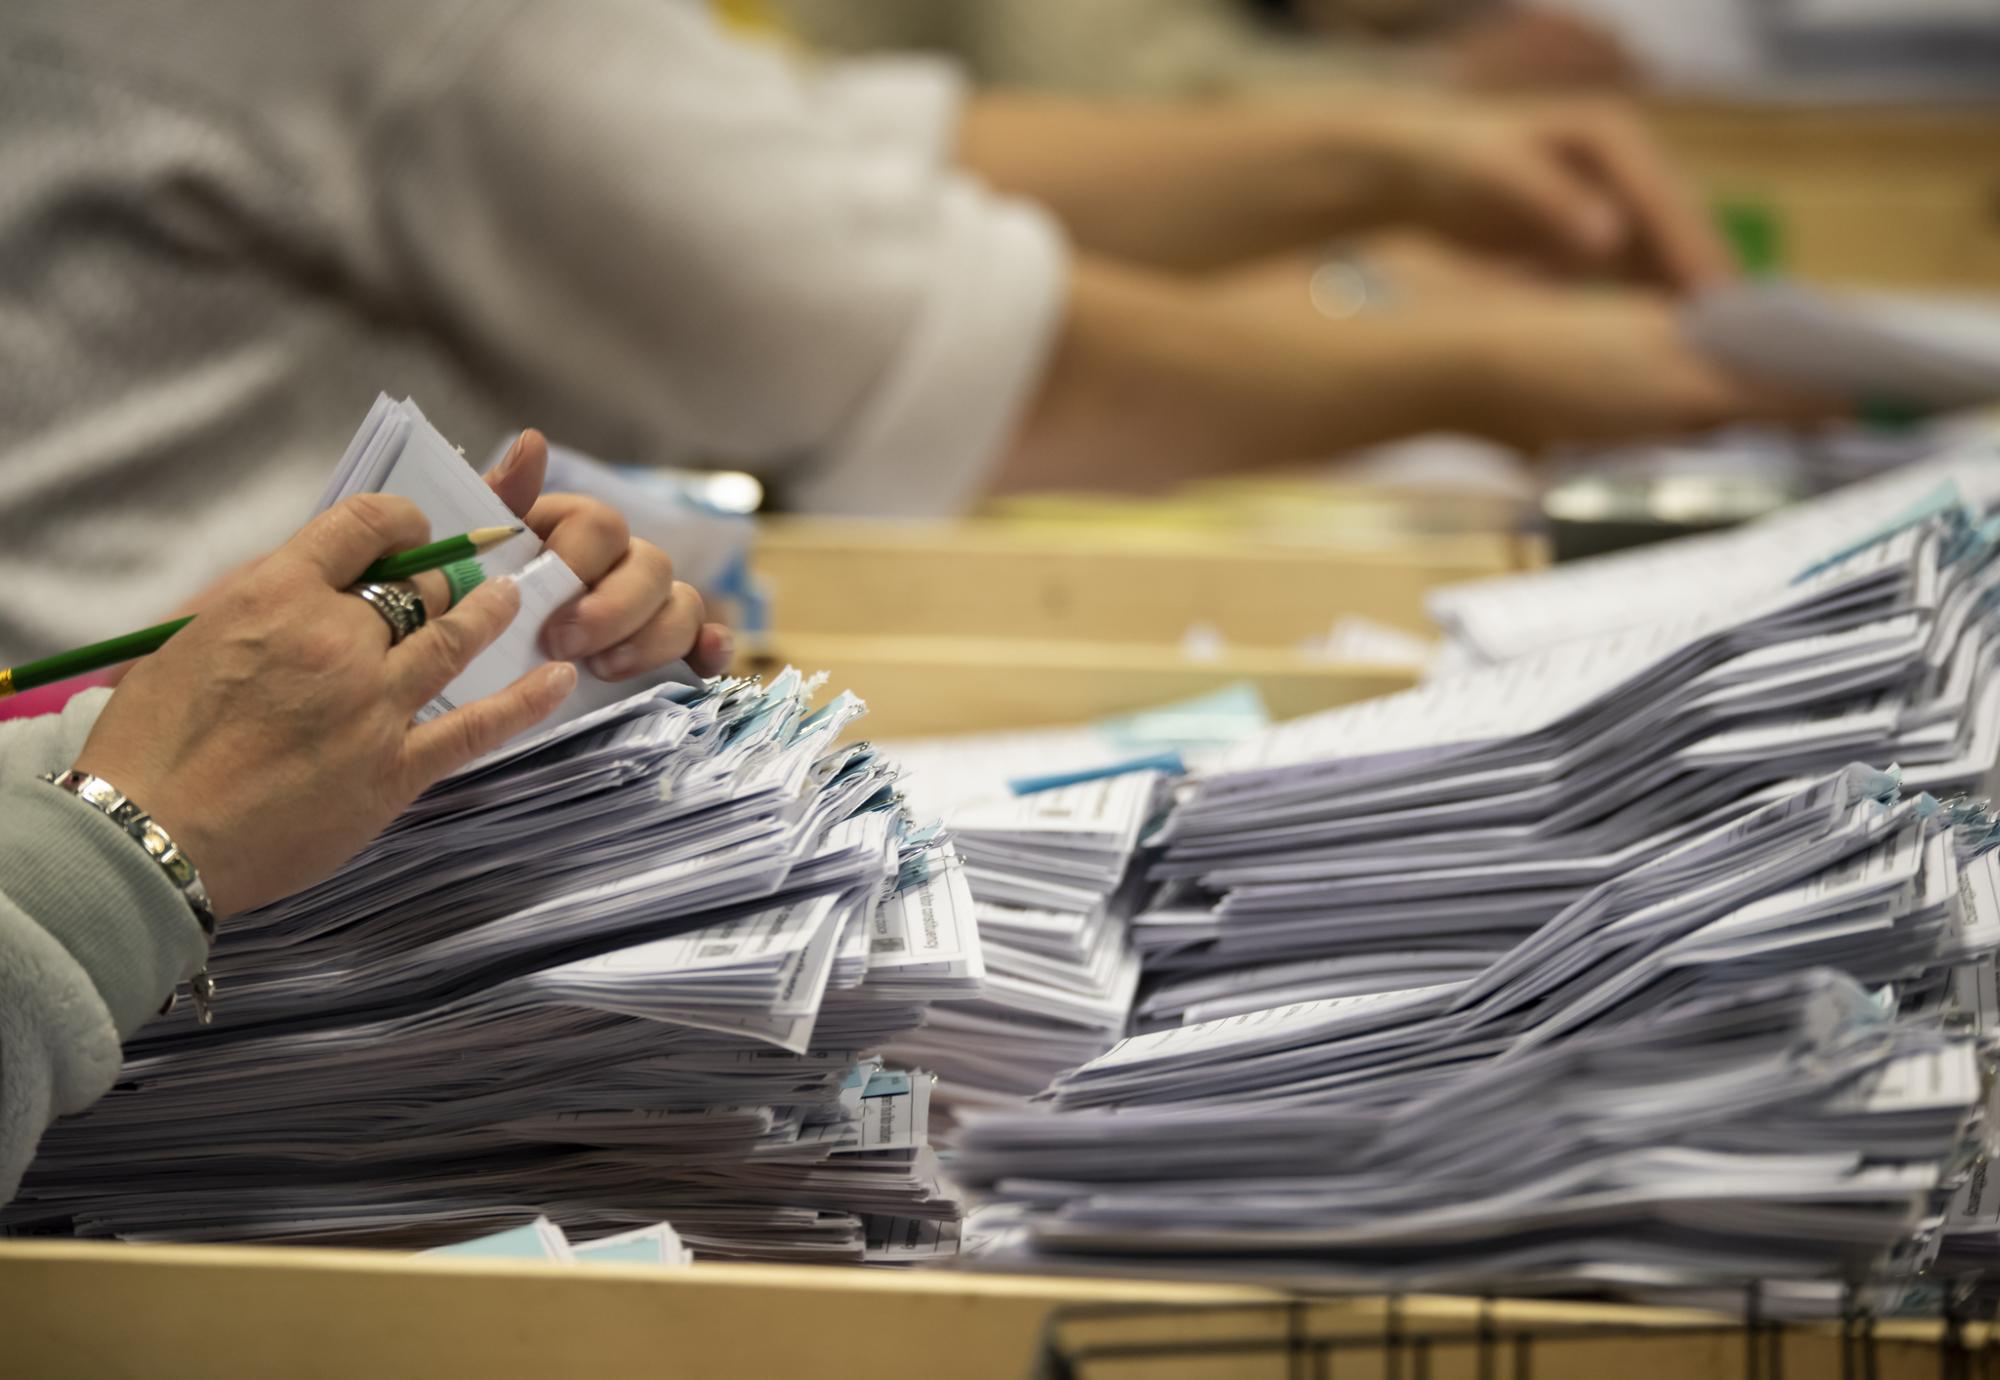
{"x":635,"y":617}
{"x":272,"y":737}
{"x":1609,"y":365}
{"x":1577,"y":185}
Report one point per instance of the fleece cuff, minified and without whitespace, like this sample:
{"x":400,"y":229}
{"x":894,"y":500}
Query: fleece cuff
{"x":90,"y":885}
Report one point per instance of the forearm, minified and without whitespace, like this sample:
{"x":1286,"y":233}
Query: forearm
{"x":1186,"y":188}
{"x":1154,"y":381}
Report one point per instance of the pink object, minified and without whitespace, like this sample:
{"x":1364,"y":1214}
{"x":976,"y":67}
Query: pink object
{"x":48,"y":699}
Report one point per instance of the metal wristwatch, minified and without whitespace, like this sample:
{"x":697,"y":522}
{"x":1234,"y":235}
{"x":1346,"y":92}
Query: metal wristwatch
{"x":101,"y":795}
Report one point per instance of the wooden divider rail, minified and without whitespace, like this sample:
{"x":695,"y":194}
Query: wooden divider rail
{"x":988,"y":580}
{"x":1905,"y":196}
{"x":110,"y":1311}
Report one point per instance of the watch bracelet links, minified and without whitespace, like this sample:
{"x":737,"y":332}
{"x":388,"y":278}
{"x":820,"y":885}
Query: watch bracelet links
{"x":108,"y":800}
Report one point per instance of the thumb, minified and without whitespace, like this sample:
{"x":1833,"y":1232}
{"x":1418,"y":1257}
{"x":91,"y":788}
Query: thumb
{"x":519,"y":475}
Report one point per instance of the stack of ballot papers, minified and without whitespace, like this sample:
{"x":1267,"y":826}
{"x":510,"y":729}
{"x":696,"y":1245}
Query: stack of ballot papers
{"x":1756,"y":1058}
{"x":1412,"y":839}
{"x":1047,"y":873}
{"x":1049,"y":823}
{"x":636,"y":964}
{"x":632,"y":969}
{"x":1634,"y":863}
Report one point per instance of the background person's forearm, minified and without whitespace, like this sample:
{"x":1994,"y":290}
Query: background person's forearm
{"x":1576,"y":188}
{"x":1187,"y":188}
{"x":1152,"y":383}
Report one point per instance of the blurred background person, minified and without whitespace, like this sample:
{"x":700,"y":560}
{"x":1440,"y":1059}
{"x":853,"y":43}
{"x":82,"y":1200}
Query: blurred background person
{"x":1198,"y":48}
{"x":1754,"y":49}
{"x":226,"y":225}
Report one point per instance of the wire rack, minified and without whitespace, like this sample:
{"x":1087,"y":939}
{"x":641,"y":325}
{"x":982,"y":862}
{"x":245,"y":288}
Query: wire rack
{"x":1292,"y":1343}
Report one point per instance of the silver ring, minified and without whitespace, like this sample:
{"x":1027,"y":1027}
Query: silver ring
{"x":401,"y":607}
{"x":1346,"y":284}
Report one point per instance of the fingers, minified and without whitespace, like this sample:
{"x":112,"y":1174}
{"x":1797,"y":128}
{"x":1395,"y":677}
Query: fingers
{"x":431,"y":658}
{"x":519,"y":476}
{"x":590,"y":536}
{"x":667,"y":636}
{"x":1753,"y":400}
{"x":342,"y":541}
{"x":1552,"y":203}
{"x":1686,"y":249}
{"x":714,"y":650}
{"x":437,"y":749}
{"x":637,"y":588}
{"x":432,"y":587}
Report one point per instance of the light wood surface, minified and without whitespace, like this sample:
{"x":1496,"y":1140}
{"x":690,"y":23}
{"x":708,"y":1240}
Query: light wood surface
{"x":1897,"y":196}
{"x":115,"y":1312}
{"x":919,"y":686}
{"x":1097,"y":584}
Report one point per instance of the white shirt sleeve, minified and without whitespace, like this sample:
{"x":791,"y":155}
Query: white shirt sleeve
{"x":901,"y":102}
{"x":618,"y":208}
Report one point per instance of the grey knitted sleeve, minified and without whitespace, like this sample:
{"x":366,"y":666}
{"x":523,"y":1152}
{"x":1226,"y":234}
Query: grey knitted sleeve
{"x":92,"y":937}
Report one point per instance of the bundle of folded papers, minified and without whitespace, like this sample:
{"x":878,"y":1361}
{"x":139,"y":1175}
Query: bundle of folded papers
{"x":1050,"y":823}
{"x":1597,"y":966}
{"x":1753,"y":1058}
{"x":630,"y":968}
{"x":1047,"y":872}
{"x":1414,"y":839}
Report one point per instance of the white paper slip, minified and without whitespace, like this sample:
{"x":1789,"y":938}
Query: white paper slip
{"x":1935,"y":351}
{"x":928,"y":934}
{"x":398,"y":451}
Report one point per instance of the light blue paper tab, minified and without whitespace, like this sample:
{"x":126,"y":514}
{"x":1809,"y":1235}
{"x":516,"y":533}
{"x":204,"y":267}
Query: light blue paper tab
{"x":529,"y":1241}
{"x":1215,"y":719}
{"x":639,"y":1248}
{"x":1169,"y":762}
{"x":886,"y":1084}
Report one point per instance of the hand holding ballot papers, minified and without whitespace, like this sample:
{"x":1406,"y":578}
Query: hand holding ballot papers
{"x":632,"y":964}
{"x":290,"y":680}
{"x":587,"y":590}
{"x":176,"y":739}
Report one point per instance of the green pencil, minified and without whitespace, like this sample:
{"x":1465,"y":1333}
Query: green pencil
{"x":403,"y":564}
{"x":98,"y":655}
